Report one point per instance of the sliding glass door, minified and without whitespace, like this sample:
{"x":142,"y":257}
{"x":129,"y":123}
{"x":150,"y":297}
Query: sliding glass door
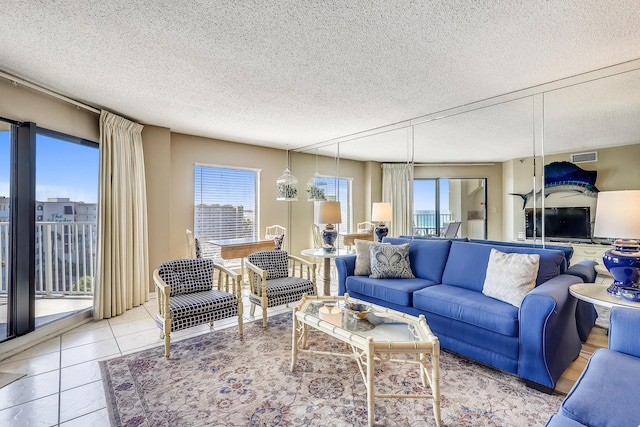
{"x":48,"y":196}
{"x":65,"y":225}
{"x":450,"y":207}
{"x":5,"y":226}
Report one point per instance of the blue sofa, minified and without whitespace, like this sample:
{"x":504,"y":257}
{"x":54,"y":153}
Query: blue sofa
{"x":536,"y":342}
{"x":606,"y":393}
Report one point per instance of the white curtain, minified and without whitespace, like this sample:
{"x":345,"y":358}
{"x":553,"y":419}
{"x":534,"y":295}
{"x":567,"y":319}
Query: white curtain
{"x":397,"y":188}
{"x":122,"y":277}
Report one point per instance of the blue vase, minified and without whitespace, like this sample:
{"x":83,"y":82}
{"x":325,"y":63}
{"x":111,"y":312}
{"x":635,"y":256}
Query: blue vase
{"x":623,"y":262}
{"x":329,"y":236}
{"x":381,"y":231}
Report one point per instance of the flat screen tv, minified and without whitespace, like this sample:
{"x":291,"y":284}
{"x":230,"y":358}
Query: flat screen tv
{"x":562,"y":224}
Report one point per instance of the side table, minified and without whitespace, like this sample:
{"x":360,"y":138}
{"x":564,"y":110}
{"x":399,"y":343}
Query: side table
{"x":320,"y":253}
{"x":596,"y":293}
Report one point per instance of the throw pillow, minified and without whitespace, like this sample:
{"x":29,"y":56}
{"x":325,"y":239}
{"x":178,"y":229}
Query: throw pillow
{"x":363,"y":257}
{"x":390,"y":261}
{"x":275,"y":262}
{"x":510,"y":277}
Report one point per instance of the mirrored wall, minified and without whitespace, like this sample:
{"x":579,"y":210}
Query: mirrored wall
{"x":544,"y":150}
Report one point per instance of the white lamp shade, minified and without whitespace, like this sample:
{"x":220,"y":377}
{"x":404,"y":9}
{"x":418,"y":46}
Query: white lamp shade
{"x":330,"y":213}
{"x":381,"y":212}
{"x":618,"y":215}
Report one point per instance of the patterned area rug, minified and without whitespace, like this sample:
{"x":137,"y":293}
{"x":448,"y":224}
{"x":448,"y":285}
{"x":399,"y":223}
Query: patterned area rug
{"x":219,"y":380}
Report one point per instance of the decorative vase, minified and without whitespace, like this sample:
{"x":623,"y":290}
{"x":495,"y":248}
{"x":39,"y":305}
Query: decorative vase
{"x":329,"y":236}
{"x":623,"y":262}
{"x":381,"y":231}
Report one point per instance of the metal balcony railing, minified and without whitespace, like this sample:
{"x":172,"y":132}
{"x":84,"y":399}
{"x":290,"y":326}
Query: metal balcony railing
{"x":425,"y":224}
{"x":65,"y":258}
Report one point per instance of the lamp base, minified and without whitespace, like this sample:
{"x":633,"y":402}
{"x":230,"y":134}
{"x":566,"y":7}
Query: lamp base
{"x":329,"y":236}
{"x":381,"y":231}
{"x":623,"y":262}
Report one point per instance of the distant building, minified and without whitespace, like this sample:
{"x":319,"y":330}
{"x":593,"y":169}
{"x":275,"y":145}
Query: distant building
{"x":65,"y":242}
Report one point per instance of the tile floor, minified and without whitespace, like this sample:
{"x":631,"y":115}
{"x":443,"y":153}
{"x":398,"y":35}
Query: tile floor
{"x":63,"y":386}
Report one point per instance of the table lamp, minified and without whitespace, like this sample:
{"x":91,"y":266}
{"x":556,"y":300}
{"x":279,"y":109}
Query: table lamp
{"x":329,"y":214}
{"x":618,"y":217}
{"x":381,"y":212}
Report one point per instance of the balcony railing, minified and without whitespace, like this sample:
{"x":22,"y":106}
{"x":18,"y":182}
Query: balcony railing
{"x":65,"y":258}
{"x":425,"y":224}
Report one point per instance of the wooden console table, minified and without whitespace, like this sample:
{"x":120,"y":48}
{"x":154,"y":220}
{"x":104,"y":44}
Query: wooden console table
{"x":240,"y":248}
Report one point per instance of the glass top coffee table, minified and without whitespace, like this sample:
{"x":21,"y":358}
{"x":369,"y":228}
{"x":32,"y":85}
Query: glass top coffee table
{"x":374,"y":334}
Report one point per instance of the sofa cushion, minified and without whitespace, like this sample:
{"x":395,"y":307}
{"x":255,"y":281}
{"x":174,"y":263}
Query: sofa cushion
{"x":606,"y":394}
{"x":566,"y":249}
{"x":467,"y":263}
{"x":390,"y":261}
{"x":468,"y":306}
{"x":396,"y":291}
{"x":427,"y":257}
{"x":363,"y":257}
{"x":510,"y":277}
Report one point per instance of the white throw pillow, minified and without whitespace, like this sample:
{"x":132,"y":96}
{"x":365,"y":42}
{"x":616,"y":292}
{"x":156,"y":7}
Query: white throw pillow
{"x":510,"y":277}
{"x":363,"y":260}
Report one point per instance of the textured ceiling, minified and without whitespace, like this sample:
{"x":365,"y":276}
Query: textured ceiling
{"x":299,"y":72}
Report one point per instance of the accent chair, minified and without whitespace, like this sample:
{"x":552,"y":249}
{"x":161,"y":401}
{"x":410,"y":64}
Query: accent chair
{"x":277,"y":278}
{"x":189,"y":295}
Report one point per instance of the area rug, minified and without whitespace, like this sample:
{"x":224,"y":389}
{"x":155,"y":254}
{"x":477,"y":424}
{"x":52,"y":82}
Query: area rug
{"x":217,"y":379}
{"x":7,"y":378}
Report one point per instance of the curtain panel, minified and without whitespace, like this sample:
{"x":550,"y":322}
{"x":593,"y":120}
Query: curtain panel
{"x":397,"y":189}
{"x":122,"y":277}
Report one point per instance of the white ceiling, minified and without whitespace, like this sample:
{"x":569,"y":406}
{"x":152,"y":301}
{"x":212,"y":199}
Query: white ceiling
{"x":290,"y":74}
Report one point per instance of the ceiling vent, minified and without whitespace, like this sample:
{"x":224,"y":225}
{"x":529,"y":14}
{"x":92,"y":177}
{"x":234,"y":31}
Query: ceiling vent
{"x":584,"y":157}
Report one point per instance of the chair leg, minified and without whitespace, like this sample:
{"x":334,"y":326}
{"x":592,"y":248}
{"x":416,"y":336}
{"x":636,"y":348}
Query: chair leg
{"x":240,"y":310}
{"x":264,"y":316}
{"x":167,"y":344}
{"x":166,"y":329}
{"x":253,"y":310}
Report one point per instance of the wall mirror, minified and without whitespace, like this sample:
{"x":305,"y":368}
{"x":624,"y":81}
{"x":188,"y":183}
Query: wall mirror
{"x":507,"y":141}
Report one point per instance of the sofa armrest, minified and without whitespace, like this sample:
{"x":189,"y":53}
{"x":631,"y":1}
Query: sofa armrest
{"x":586,"y":270}
{"x":345,"y":265}
{"x":623,"y":330}
{"x":548,"y":336}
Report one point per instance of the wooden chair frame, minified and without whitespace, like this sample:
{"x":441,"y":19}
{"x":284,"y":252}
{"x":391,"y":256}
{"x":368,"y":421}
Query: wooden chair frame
{"x":226,"y":280}
{"x":298,"y":267}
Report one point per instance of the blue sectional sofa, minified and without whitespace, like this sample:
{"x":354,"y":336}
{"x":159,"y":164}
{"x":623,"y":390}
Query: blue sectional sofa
{"x":537,"y":341}
{"x":606,"y":394}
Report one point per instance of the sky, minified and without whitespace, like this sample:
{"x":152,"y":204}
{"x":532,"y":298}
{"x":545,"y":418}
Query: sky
{"x":63,"y":169}
{"x":424,"y":195}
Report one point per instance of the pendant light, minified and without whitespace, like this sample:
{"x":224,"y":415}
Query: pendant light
{"x":317,"y":186}
{"x":287,"y":185}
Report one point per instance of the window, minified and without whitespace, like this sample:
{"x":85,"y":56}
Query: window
{"x":337,"y":189}
{"x":225,"y":204}
{"x":441,"y":200}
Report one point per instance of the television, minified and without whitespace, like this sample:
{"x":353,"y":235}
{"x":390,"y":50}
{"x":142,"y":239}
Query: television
{"x":561,"y":224}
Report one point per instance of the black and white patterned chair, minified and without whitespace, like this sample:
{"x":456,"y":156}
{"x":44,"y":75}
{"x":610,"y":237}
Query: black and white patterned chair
{"x":270,"y":281}
{"x":189,"y":296}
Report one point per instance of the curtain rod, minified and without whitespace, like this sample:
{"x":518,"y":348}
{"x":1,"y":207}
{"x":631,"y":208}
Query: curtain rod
{"x":17,"y":80}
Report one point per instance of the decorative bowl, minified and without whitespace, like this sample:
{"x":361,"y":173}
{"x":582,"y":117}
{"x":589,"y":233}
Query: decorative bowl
{"x":630,"y":294}
{"x":359,"y":310}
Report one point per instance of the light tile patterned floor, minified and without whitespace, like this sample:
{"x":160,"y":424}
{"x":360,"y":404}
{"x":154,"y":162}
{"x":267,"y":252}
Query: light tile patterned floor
{"x":63,"y":386}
